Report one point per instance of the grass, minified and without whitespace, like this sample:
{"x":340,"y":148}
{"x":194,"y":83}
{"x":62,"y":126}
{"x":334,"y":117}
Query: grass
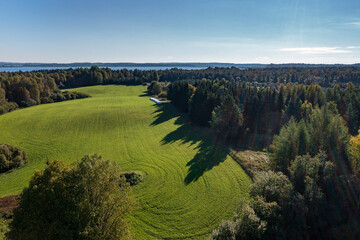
{"x":191,"y":183}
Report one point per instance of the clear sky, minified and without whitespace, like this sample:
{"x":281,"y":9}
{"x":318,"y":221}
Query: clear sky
{"x":238,"y":31}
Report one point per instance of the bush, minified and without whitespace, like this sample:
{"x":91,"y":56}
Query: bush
{"x":11,"y":157}
{"x":133,"y":177}
{"x":84,"y":200}
{"x":46,"y":100}
{"x":28,"y":103}
{"x":4,"y":227}
{"x":80,"y":95}
{"x":3,"y":109}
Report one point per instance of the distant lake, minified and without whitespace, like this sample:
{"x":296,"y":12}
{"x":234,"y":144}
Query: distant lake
{"x":28,"y":69}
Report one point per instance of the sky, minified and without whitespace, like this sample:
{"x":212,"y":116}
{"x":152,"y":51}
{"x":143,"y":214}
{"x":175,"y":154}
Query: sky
{"x":232,"y":31}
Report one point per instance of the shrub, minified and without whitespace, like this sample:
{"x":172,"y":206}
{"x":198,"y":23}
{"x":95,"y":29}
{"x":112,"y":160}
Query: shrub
{"x":133,"y":177}
{"x":28,"y":103}
{"x":11,"y":157}
{"x":46,"y":100}
{"x":80,"y":95}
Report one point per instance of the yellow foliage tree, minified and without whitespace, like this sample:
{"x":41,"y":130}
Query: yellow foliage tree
{"x":355,"y":153}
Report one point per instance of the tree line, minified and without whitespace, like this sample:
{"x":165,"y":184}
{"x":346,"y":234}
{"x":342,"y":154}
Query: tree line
{"x":269,"y":76}
{"x":29,"y":89}
{"x":250,"y":116}
{"x":324,"y":76}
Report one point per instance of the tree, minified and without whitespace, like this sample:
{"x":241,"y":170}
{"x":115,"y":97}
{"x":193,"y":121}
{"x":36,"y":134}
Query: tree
{"x":202,"y":103}
{"x":154,"y":76}
{"x":226,"y":231}
{"x":285,"y":146}
{"x":246,"y":226}
{"x":227,"y":118}
{"x":355,"y":153}
{"x":249,"y":225}
{"x":2,"y":95}
{"x":154,"y":88}
{"x":273,"y":187}
{"x":180,"y":94}
{"x":84,"y":200}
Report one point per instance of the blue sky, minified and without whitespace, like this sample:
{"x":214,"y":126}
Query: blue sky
{"x":239,"y":31}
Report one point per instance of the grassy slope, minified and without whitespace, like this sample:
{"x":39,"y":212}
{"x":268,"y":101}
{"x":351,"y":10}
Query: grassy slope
{"x":190,"y":184}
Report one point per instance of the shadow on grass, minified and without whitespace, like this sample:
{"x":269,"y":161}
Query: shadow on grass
{"x":145,"y":94}
{"x":164,"y":112}
{"x":210,"y":150}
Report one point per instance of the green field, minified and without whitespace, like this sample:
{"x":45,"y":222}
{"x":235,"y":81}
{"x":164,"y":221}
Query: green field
{"x":190,"y":184}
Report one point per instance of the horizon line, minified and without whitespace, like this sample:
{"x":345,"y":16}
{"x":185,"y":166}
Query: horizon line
{"x":243,"y":63}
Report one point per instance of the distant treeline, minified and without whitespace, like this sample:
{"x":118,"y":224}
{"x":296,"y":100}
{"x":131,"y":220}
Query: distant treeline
{"x":170,"y":65}
{"x":30,"y":88}
{"x":323,"y":76}
{"x":252,"y":115}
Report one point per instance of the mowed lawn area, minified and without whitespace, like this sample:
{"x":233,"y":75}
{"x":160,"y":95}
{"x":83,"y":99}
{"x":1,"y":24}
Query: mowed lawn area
{"x":190,"y":185}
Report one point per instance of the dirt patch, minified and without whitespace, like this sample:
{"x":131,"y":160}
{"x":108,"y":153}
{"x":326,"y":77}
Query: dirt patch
{"x":8,"y":204}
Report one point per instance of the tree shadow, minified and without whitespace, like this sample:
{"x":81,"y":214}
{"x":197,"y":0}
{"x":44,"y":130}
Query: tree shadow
{"x":145,"y":94}
{"x":211,"y":151}
{"x":164,"y":112}
{"x":208,"y":156}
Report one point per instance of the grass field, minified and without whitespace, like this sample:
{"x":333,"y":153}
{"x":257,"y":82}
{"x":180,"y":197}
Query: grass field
{"x":190,"y":184}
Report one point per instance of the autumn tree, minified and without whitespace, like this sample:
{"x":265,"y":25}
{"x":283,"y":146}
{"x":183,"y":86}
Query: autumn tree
{"x":355,"y":153}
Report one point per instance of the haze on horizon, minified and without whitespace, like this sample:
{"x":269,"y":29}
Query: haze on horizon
{"x":274,"y":31}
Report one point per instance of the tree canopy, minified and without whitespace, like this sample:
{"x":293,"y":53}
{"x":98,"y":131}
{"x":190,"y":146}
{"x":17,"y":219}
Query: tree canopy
{"x":84,"y":200}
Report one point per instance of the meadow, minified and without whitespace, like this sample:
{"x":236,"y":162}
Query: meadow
{"x":191,"y":183}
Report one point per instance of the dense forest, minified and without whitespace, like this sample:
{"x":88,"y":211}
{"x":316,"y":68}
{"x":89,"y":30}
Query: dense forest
{"x":252,"y":115}
{"x":312,"y":190}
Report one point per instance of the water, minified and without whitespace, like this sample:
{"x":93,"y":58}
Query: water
{"x":29,"y":69}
